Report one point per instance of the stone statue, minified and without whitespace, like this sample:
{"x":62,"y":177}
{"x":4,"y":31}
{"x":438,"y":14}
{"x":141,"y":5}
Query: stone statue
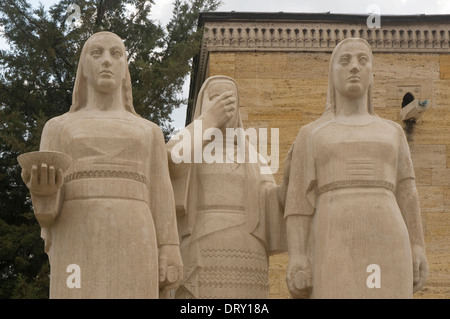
{"x":230,"y":217}
{"x":352,"y":213}
{"x":112,"y":216}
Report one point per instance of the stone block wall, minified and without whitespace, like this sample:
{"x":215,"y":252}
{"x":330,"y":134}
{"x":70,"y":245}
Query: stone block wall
{"x":287,"y":90}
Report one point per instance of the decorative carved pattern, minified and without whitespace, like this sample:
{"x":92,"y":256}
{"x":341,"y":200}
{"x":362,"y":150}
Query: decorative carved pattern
{"x":106,"y":174}
{"x":234,"y":277}
{"x":356,"y":183}
{"x":234,"y":253}
{"x":324,"y":37}
{"x":255,"y":35}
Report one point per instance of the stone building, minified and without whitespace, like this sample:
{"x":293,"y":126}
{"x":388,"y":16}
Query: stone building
{"x":281,"y":64}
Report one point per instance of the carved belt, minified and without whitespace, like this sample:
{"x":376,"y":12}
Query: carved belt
{"x":106,"y":184}
{"x":355,"y":183}
{"x":106,"y":174}
{"x":232,"y":208}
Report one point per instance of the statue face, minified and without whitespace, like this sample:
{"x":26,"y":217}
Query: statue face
{"x":105,"y":63}
{"x":352,"y":69}
{"x":215,"y":90}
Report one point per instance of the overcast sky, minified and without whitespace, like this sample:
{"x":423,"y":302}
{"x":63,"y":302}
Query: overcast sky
{"x":163,"y":9}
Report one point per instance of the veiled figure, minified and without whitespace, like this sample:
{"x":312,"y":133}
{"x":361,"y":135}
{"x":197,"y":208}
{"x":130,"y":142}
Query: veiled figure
{"x":352,"y":206}
{"x":229,"y":215}
{"x":114,"y":214}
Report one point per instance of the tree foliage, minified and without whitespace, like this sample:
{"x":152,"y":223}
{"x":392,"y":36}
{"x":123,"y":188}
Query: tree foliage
{"x":36,"y":81}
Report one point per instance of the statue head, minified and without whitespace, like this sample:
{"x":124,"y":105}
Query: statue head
{"x":351,"y":73}
{"x":103,"y":67}
{"x":211,"y":89}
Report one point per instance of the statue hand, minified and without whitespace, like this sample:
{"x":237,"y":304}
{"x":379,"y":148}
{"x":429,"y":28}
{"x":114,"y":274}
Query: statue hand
{"x":299,"y":276}
{"x":219,"y":110}
{"x":44,"y":183}
{"x":420,"y":267}
{"x":170,"y":267}
{"x":44,"y":180}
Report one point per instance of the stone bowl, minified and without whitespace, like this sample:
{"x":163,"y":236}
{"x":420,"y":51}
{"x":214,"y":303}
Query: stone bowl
{"x":58,"y":160}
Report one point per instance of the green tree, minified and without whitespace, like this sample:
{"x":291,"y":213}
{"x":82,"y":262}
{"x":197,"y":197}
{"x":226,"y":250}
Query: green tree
{"x":36,"y":82}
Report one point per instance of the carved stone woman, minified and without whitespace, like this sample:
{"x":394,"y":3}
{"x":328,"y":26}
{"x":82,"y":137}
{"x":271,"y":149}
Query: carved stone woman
{"x":352,"y":212}
{"x":229,"y":216}
{"x":114,"y":213}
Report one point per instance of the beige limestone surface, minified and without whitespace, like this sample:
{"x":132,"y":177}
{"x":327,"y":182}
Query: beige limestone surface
{"x":352,"y":211}
{"x":229,"y":213}
{"x":289,"y":99}
{"x":296,"y":98}
{"x":109,"y":221}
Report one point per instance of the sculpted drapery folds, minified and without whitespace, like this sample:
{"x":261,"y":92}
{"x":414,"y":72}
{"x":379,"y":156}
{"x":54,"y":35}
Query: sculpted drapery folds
{"x":229,"y":215}
{"x":113,"y":215}
{"x":351,"y":195}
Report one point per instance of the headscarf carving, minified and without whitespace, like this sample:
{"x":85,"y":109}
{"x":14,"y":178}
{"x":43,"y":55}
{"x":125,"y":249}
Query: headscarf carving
{"x":79,"y":97}
{"x":330,"y":108}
